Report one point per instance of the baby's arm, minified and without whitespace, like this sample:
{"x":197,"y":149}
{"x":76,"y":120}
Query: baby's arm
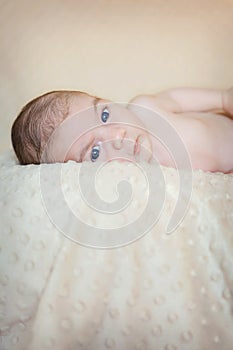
{"x":228,"y":102}
{"x":180,"y":100}
{"x":212,"y":148}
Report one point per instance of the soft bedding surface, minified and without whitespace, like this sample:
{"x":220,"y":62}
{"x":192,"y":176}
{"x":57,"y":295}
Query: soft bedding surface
{"x":158,"y":292}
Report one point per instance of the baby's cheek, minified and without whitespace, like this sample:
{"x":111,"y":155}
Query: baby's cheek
{"x":119,"y":155}
{"x":109,"y":153}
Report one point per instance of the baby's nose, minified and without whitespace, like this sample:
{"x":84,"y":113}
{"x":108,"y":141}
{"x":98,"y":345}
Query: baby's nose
{"x":118,"y":137}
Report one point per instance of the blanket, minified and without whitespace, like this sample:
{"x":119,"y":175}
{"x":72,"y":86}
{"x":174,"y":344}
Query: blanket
{"x":86,"y":263}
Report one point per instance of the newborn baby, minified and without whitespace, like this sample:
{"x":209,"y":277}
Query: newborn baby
{"x":99,"y":130}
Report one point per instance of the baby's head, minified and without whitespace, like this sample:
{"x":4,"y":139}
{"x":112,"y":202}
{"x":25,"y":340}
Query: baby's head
{"x":36,"y":122}
{"x":88,"y":128}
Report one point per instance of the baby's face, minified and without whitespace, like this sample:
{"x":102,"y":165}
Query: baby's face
{"x":95,"y":130}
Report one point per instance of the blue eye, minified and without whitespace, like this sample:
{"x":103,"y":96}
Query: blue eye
{"x":95,"y":153}
{"x":105,"y":115}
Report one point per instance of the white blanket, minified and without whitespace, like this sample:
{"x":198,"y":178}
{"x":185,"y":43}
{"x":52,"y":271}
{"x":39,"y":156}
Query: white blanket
{"x":157,"y":292}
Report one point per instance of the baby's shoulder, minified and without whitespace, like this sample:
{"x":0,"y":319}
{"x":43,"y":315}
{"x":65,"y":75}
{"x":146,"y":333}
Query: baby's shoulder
{"x":141,"y":104}
{"x":156,"y":102}
{"x":145,"y":102}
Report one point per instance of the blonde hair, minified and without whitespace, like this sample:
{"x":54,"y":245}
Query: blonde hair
{"x":36,"y":122}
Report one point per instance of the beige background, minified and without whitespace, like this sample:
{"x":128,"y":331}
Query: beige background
{"x":112,"y":48}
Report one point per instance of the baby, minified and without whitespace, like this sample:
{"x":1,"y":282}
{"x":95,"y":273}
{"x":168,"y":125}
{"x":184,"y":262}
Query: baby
{"x":203,"y":119}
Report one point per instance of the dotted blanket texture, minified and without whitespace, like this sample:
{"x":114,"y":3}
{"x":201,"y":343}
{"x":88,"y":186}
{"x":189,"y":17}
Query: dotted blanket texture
{"x":160,"y":291}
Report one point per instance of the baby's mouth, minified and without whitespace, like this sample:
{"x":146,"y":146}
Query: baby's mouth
{"x":137,"y":146}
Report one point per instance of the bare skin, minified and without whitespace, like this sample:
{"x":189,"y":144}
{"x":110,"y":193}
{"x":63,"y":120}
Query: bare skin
{"x":203,"y":119}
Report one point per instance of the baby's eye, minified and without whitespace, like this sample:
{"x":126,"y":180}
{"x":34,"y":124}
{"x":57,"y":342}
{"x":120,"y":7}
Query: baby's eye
{"x":95,"y":153}
{"x":105,"y":115}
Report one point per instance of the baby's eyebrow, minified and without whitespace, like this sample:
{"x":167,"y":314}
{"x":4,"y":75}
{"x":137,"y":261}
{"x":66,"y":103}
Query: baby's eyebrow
{"x":95,"y":102}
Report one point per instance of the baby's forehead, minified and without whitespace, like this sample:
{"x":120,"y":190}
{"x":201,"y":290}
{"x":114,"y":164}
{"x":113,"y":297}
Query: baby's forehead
{"x":80,"y":117}
{"x":80,"y":102}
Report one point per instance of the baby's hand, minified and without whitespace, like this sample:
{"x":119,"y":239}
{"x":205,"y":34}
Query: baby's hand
{"x":227,"y":101}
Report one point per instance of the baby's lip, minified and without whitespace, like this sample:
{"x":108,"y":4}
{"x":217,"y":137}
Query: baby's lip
{"x":137,"y":146}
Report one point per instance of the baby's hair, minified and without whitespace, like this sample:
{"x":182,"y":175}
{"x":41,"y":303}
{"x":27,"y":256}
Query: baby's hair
{"x":36,"y":122}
